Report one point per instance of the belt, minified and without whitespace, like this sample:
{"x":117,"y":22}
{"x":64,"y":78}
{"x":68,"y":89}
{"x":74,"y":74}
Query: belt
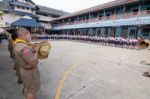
{"x":30,"y":68}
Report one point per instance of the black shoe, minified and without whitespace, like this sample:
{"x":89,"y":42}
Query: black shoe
{"x":20,"y":81}
{"x":23,"y":91}
{"x":146,"y":74}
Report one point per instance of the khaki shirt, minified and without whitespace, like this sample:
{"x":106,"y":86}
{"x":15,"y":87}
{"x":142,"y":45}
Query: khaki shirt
{"x":11,"y":48}
{"x":31,"y":78}
{"x":23,"y":55}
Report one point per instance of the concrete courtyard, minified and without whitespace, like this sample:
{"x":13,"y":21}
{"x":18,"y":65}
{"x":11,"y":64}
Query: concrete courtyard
{"x":83,"y":71}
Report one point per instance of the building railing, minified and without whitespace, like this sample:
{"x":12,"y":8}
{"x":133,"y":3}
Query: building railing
{"x":46,"y":18}
{"x":47,"y":26}
{"x":24,"y":10}
{"x":106,"y":18}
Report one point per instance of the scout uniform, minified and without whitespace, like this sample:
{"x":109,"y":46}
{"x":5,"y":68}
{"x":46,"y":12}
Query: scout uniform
{"x":12,"y":54}
{"x":10,"y":47}
{"x":30,"y":74}
{"x":16,"y":65}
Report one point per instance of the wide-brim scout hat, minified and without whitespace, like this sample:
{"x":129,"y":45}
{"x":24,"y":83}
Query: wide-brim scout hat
{"x":143,"y":44}
{"x":44,"y":50}
{"x":35,"y":44}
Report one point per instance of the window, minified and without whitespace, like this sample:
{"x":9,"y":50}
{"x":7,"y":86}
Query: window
{"x":135,"y":11}
{"x":124,"y":32}
{"x":23,"y":7}
{"x":107,"y":16}
{"x":146,"y":32}
{"x":27,"y":8}
{"x":132,"y":32}
{"x":94,"y":15}
{"x":148,"y":10}
{"x":7,"y":23}
{"x":100,"y":17}
{"x":18,"y":7}
{"x":32,"y":10}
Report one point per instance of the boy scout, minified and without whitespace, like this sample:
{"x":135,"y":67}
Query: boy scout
{"x":10,"y":46}
{"x":14,"y":36}
{"x":27,"y":59}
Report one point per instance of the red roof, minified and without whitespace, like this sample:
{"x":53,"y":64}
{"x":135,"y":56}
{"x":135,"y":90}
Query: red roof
{"x":99,"y":7}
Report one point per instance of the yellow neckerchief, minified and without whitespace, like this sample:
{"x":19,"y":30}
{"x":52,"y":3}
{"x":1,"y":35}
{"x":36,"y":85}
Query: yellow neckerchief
{"x":21,"y":41}
{"x":13,"y":42}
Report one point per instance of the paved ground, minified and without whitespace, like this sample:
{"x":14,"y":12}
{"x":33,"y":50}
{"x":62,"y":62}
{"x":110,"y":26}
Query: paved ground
{"x":83,"y":71}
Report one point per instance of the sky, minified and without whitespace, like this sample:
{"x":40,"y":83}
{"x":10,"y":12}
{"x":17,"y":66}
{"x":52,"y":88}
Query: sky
{"x":70,"y":5}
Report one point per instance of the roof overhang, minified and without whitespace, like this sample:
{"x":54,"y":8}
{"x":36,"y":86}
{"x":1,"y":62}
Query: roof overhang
{"x":99,"y":7}
{"x":139,"y":21}
{"x":27,"y":23}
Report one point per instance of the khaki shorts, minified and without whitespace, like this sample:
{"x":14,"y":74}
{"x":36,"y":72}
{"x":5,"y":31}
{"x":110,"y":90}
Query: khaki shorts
{"x":31,"y":80}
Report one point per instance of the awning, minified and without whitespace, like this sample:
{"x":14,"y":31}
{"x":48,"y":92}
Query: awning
{"x":26,"y":23}
{"x":112,"y":23}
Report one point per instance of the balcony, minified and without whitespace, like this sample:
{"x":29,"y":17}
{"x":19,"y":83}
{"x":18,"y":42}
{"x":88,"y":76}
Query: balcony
{"x":138,"y":21}
{"x":45,"y":18}
{"x":107,"y":18}
{"x":47,"y":26}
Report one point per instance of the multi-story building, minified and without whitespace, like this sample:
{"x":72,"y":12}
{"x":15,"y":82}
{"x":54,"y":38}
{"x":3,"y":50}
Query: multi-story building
{"x":16,"y":9}
{"x":46,"y":15}
{"x":25,"y":13}
{"x":126,"y":18}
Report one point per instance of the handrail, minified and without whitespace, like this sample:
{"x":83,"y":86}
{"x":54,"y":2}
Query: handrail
{"x":111,"y":17}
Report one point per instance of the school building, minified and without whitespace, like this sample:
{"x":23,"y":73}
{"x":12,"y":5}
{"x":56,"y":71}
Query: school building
{"x":125,"y":18}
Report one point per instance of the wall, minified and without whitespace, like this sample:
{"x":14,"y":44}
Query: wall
{"x":9,"y":18}
{"x":46,"y":25}
{"x":24,"y":10}
{"x":45,"y":18}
